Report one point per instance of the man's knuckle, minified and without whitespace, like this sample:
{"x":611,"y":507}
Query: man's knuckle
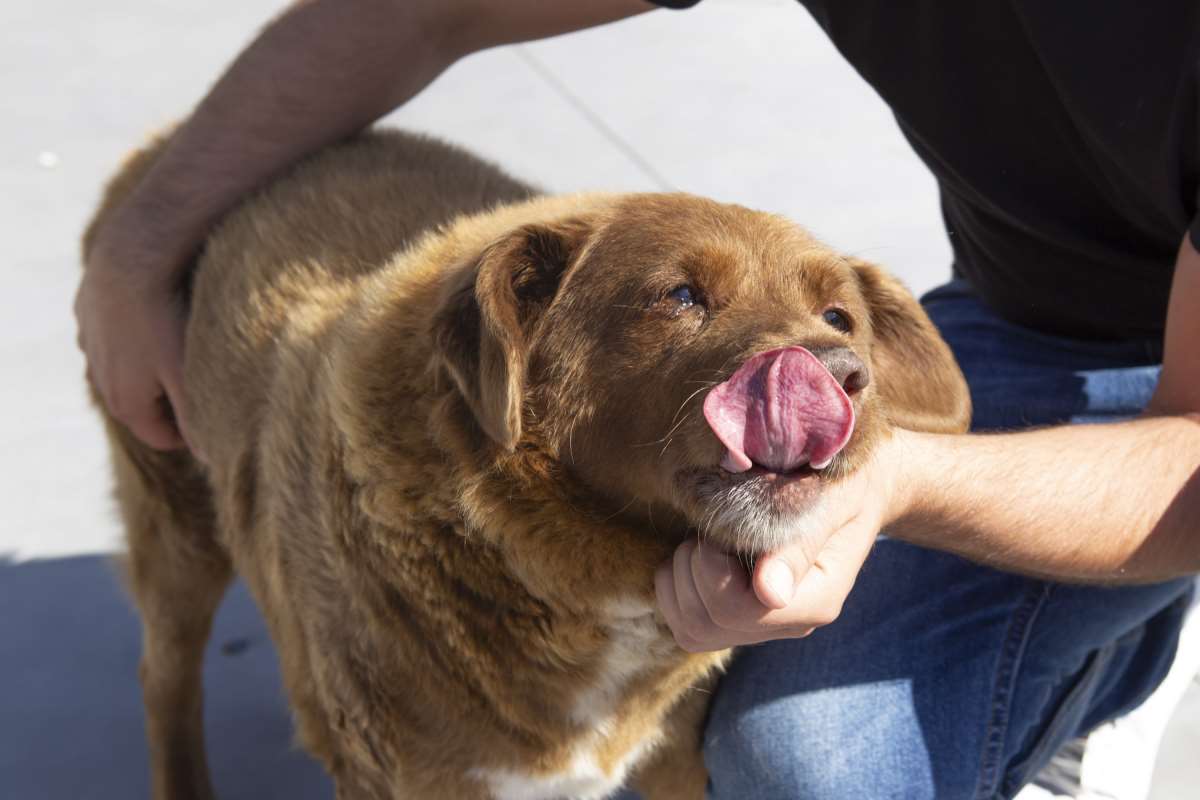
{"x":724,"y":617}
{"x":827,"y":614}
{"x":154,"y":435}
{"x":118,"y":405}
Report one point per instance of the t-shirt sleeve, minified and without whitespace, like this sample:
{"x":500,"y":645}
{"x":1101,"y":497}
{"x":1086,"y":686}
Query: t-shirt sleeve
{"x":675,"y":3}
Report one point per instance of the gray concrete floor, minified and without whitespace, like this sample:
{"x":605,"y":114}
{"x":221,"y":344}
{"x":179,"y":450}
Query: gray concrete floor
{"x":741,"y":100}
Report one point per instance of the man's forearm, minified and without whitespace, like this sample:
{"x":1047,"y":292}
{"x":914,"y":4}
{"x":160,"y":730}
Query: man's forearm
{"x":320,"y":72}
{"x":1117,"y":502}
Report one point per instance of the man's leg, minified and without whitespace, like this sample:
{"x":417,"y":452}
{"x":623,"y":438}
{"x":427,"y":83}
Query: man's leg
{"x":1117,"y":760}
{"x":941,"y":679}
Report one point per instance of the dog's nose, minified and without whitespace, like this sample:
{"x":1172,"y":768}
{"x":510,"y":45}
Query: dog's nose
{"x":845,"y":366}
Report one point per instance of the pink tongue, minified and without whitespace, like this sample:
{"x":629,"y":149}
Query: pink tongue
{"x":780,"y":410}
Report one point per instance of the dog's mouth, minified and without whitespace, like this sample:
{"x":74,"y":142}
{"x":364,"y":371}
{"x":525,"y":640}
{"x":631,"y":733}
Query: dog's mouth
{"x":781,"y":412}
{"x":804,"y":477}
{"x":785,"y":423}
{"x":770,"y":476}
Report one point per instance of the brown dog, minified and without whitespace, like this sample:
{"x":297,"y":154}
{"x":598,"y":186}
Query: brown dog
{"x":452,"y":428}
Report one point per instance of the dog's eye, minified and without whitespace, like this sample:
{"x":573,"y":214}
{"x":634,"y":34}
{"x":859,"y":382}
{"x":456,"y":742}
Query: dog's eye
{"x":836,"y":318}
{"x":684,"y":301}
{"x":684,"y":295}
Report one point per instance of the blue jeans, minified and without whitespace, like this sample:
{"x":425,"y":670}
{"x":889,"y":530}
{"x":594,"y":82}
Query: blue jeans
{"x":942,"y":678}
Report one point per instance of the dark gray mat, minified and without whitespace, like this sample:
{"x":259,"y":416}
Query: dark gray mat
{"x":70,"y":708}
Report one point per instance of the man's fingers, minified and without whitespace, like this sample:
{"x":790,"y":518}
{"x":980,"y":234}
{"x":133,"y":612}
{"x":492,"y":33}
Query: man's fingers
{"x":131,"y":330}
{"x":731,"y":606}
{"x":679,"y":600}
{"x":664,"y":592}
{"x":668,"y":604}
{"x":137,"y":401}
{"x":173,"y":388}
{"x":723,"y":587}
{"x":142,"y":409}
{"x":155,"y":432}
{"x":694,"y":617}
{"x":153,"y":426}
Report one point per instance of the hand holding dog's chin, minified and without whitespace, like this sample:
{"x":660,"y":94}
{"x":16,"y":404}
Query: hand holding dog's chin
{"x":131,"y":330}
{"x":711,"y":601}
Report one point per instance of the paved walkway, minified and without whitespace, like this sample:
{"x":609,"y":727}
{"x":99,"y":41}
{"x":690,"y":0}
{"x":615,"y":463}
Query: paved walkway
{"x":742,"y":100}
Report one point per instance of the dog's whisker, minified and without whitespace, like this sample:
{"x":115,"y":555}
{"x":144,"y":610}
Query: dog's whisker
{"x":668,"y":434}
{"x":683,"y":405}
{"x":650,"y":516}
{"x":619,"y":511}
{"x":676,"y":422}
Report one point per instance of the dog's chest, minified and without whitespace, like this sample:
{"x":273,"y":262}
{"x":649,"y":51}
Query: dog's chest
{"x":583,"y":779}
{"x":636,"y":644}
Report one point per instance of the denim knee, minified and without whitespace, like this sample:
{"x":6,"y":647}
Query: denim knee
{"x":847,"y":741}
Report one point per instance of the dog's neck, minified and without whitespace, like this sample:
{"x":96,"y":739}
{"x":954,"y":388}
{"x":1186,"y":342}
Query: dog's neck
{"x":543,"y":586}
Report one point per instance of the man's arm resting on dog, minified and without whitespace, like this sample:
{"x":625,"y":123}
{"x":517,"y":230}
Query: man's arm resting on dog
{"x":320,"y":72}
{"x":1091,"y":503}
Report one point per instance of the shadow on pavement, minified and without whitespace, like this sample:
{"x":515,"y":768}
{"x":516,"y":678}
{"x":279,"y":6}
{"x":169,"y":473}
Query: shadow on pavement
{"x":70,"y":707}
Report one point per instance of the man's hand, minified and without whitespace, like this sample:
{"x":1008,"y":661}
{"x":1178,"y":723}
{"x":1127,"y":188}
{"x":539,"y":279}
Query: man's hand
{"x":131,"y":325}
{"x":711,"y":601}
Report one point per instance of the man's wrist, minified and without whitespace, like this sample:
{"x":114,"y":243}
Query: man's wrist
{"x":148,"y":242}
{"x":907,"y":455}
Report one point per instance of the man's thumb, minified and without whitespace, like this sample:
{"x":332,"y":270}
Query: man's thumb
{"x":774,"y":581}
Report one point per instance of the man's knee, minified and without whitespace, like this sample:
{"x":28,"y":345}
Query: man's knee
{"x":827,"y":744}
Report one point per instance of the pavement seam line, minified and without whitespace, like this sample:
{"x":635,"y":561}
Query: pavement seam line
{"x":613,"y":138}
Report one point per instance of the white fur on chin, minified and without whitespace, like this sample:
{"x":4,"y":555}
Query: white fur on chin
{"x":743,"y":519}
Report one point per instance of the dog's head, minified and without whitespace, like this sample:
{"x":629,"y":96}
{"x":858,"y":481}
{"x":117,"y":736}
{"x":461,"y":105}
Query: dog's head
{"x":700,"y":361}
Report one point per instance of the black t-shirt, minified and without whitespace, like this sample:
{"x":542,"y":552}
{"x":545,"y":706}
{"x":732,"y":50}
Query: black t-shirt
{"x":1063,"y":135}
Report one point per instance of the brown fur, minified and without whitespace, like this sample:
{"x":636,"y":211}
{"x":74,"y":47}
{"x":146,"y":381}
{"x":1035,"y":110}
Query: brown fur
{"x":452,"y":428}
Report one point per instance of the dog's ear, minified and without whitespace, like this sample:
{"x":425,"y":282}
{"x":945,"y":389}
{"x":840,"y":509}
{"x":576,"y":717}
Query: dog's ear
{"x":482,"y":329}
{"x":916,"y":376}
